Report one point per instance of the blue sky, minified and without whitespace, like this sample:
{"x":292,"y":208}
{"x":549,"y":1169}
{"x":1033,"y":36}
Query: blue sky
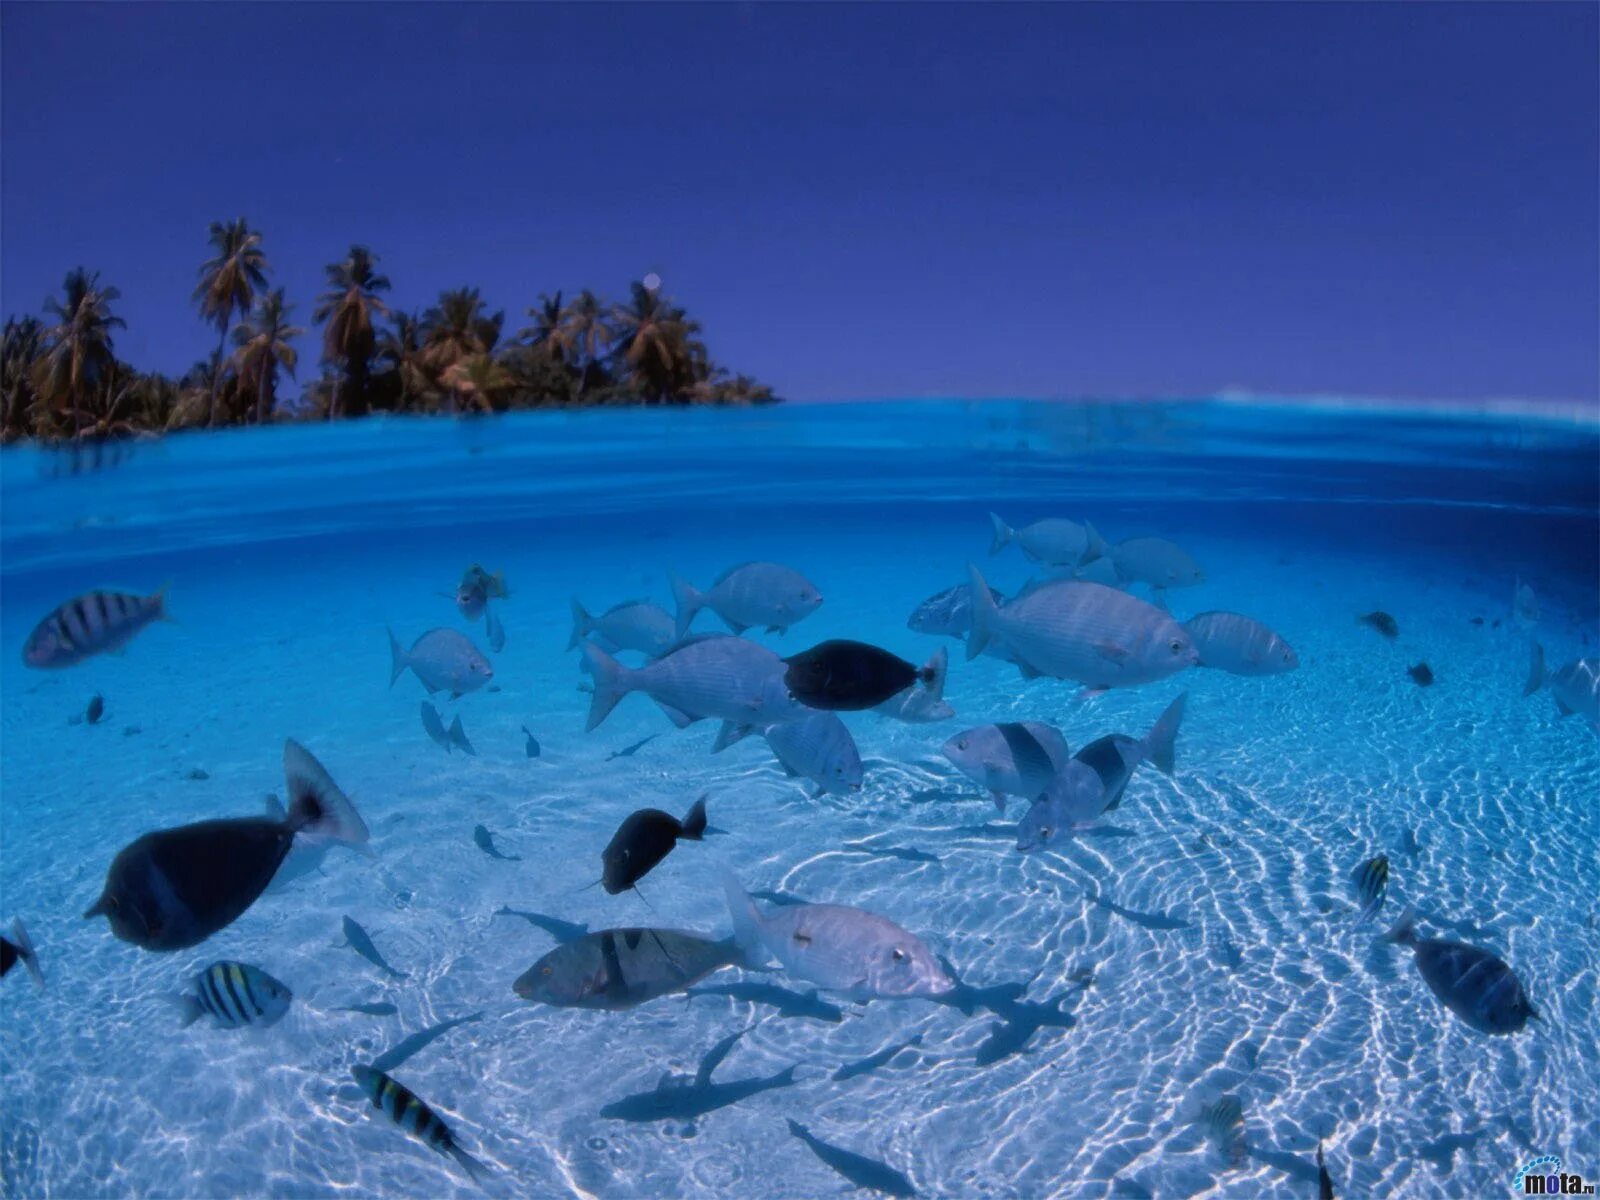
{"x":858,"y":201}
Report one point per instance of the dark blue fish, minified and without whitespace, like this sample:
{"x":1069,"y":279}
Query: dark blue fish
{"x":862,"y":1172}
{"x":787,"y":1003}
{"x":391,"y":1059}
{"x":356,"y":938}
{"x":562,"y":931}
{"x":1471,"y":982}
{"x":872,"y":1062}
{"x":684,"y":1098}
{"x":485,"y":841}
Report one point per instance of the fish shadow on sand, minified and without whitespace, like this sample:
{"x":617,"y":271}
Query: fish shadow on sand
{"x":390,"y":1059}
{"x":562,"y":931}
{"x":689,"y":1097}
{"x":1149,"y":920}
{"x":1019,"y":1019}
{"x":785,"y":1002}
{"x":905,"y":853}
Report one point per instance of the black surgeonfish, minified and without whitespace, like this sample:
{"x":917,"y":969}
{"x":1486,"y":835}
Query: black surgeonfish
{"x":842,"y":675}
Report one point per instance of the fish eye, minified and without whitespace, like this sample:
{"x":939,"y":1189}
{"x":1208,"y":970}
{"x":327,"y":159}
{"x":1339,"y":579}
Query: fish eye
{"x":899,"y":954}
{"x":1176,"y":646}
{"x":961,"y":743}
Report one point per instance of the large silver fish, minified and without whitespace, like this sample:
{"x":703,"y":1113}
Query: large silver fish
{"x":96,"y":622}
{"x":1469,"y":981}
{"x":750,"y":595}
{"x":836,"y":947}
{"x":1054,"y":540}
{"x":443,"y":661}
{"x":818,"y":748}
{"x":1238,"y":645}
{"x":728,"y":678}
{"x":1084,"y":631}
{"x":619,"y":968}
{"x":631,"y":625}
{"x":1575,"y":687}
{"x":1155,"y":561}
{"x":1017,"y":758}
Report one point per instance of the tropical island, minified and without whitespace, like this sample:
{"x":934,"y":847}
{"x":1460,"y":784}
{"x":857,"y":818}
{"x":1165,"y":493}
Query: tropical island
{"x":62,"y":379}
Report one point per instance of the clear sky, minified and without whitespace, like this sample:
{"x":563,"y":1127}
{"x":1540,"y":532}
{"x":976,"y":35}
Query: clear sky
{"x":858,"y":201}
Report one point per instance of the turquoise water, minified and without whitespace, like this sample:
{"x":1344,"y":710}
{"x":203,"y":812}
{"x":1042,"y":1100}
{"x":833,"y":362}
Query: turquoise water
{"x":1204,"y":943}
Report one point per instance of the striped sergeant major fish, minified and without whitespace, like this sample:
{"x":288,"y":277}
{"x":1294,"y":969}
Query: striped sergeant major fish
{"x":1370,"y":881}
{"x":235,"y":994}
{"x":401,"y":1106}
{"x":96,"y":622}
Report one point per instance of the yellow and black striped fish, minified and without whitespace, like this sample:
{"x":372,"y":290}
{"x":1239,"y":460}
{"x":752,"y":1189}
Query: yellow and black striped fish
{"x":235,"y":994}
{"x":1370,"y":881}
{"x":94,"y":623}
{"x":400,"y":1105}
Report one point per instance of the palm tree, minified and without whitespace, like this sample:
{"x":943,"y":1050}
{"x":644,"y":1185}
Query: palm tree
{"x":477,"y":380}
{"x":20,"y":346}
{"x":263,"y":343}
{"x":550,"y":332}
{"x":348,"y":308}
{"x":587,"y":333}
{"x":78,"y":349}
{"x":228,"y":283}
{"x":400,"y":348}
{"x":456,"y":329}
{"x":657,"y":344}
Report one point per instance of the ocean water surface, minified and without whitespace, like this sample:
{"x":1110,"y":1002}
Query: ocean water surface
{"x":1203,"y":942}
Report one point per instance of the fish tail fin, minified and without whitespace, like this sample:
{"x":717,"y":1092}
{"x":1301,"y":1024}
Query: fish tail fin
{"x":458,"y":737}
{"x":611,"y":683}
{"x":1096,"y":547}
{"x":1405,"y":929}
{"x":730,"y":733}
{"x":317,"y":806}
{"x":397,"y":658}
{"x":26,"y":952}
{"x":477,"y":1170}
{"x":693,"y":826}
{"x":1535,"y":670}
{"x":746,"y":918}
{"x":983,"y":613}
{"x":582,"y":622}
{"x":1160,"y":742}
{"x":689,"y":602}
{"x":187,"y":1007}
{"x":159,"y":604}
{"x":500,"y":589}
{"x":1003,"y":534}
{"x":933,"y":672}
{"x":784,"y":1077}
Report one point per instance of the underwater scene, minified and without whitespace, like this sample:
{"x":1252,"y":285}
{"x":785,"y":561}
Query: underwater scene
{"x":927,"y":798}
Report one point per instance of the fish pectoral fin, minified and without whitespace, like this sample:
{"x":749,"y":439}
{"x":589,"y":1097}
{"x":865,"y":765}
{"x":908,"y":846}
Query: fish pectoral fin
{"x":1112,"y":651}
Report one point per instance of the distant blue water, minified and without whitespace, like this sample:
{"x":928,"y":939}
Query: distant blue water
{"x":1215,"y":916}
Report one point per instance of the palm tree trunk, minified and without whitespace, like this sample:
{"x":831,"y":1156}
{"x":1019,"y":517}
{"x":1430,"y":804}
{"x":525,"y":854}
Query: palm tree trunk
{"x":216,"y":375}
{"x":261,"y":394}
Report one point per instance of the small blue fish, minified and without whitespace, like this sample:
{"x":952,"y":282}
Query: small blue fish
{"x":532,"y":748}
{"x":356,"y":938}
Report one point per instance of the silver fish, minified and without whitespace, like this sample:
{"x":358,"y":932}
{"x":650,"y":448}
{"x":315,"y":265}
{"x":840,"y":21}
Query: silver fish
{"x":631,"y":625}
{"x":234,"y":994}
{"x":836,"y":947}
{"x":1016,"y":758}
{"x":443,"y":661}
{"x":1471,"y":982}
{"x":1054,"y":540}
{"x":728,"y":678}
{"x":948,"y":614}
{"x":1083,"y":631}
{"x":96,"y":622}
{"x":751,"y":594}
{"x":1575,"y":687}
{"x":1155,"y":561}
{"x":1370,"y":881}
{"x":818,"y":748}
{"x":1236,"y":644}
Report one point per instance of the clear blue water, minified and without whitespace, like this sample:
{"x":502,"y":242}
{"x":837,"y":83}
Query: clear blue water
{"x":1215,"y":919}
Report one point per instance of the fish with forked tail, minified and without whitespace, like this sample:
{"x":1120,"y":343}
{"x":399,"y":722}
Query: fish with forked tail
{"x":751,"y":594}
{"x":442,"y":660}
{"x":643,"y":840}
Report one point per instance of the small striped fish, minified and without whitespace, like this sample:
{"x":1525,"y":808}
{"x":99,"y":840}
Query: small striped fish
{"x":235,"y":994}
{"x":402,"y":1107}
{"x":1370,"y":881}
{"x":1224,"y":1126}
{"x":93,"y":623}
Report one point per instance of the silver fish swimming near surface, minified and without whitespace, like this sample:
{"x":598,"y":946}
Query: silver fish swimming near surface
{"x":1370,"y":881}
{"x":948,"y":614}
{"x":1054,"y":540}
{"x":1016,"y":758}
{"x":818,"y":748}
{"x":752,"y":594}
{"x":1096,"y":635}
{"x":234,"y":994}
{"x":631,"y":625}
{"x":839,"y":948}
{"x":1092,"y":784}
{"x":97,"y":622}
{"x":615,"y":969}
{"x":1223,"y":1122}
{"x":443,"y":661}
{"x":1238,"y":645}
{"x":727,"y":678}
{"x":1155,"y":561}
{"x":1575,"y":687}
{"x":400,"y":1105}
{"x":1471,"y":982}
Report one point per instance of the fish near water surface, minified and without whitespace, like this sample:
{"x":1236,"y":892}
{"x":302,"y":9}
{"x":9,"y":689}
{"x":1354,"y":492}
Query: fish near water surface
{"x":1015,"y":758}
{"x":1087,"y":632}
{"x":615,"y":969}
{"x":176,"y":887}
{"x":443,"y":661}
{"x":403,"y":1108}
{"x":840,"y":675}
{"x":819,"y":748}
{"x":750,"y":595}
{"x":235,"y":994}
{"x":1054,"y":540}
{"x":1239,"y":645}
{"x":839,"y":948}
{"x":725,"y":678}
{"x":631,"y":625}
{"x":1471,"y":982}
{"x":643,"y":840}
{"x":1575,"y":687}
{"x":97,"y":622}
